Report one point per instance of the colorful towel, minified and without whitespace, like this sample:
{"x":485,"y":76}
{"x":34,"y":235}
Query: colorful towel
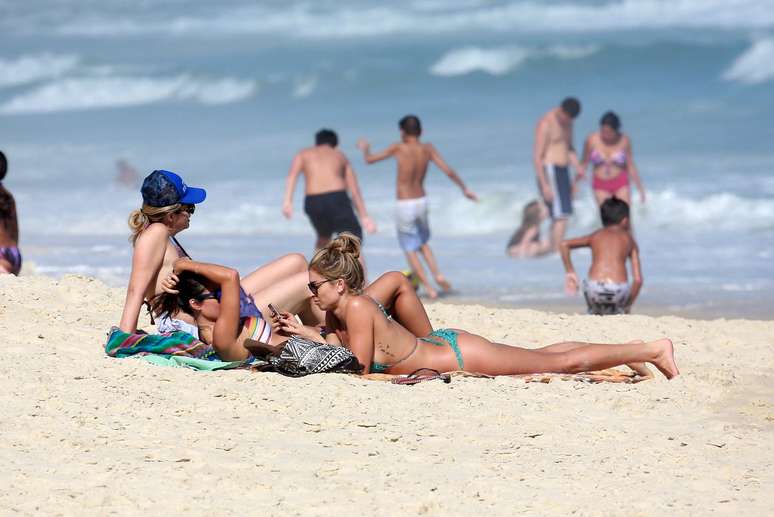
{"x":121,"y":344}
{"x":181,"y":361}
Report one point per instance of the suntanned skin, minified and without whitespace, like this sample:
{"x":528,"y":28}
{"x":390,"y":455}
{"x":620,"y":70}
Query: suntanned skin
{"x":282,"y":281}
{"x":610,"y":247}
{"x":325,"y":169}
{"x":396,"y":294}
{"x":608,"y":141}
{"x":553,"y":145}
{"x":9,"y":233}
{"x":218,"y":321}
{"x":152,"y":262}
{"x":413,"y":158}
{"x":359,"y":325}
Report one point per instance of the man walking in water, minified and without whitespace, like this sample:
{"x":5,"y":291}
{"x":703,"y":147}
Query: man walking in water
{"x":553,"y":155}
{"x":413,"y":157}
{"x":328,"y":176}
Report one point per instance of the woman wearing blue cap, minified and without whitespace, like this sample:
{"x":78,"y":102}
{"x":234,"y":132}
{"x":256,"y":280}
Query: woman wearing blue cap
{"x":168,"y":204}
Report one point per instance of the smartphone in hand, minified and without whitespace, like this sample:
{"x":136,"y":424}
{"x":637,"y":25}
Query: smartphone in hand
{"x":274,"y":312}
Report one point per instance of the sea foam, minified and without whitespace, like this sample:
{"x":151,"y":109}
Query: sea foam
{"x":755,"y":65}
{"x":83,"y":93}
{"x":348,"y":18}
{"x":501,"y":60}
{"x":35,"y":67}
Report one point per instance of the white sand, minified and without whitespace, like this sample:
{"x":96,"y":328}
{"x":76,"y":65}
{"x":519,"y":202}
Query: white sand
{"x":84,"y":433}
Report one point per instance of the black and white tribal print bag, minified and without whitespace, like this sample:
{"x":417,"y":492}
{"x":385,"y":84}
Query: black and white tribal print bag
{"x":302,"y":356}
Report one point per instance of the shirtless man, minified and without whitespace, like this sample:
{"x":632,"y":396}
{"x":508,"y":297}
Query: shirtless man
{"x":607,"y":289}
{"x":413,"y":157}
{"x":553,"y":154}
{"x":328,"y":176}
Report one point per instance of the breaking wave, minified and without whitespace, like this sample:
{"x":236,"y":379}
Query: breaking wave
{"x":501,"y":60}
{"x":85,"y":93}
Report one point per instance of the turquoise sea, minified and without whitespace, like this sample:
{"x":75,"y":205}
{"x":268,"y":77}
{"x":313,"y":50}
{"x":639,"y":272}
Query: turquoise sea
{"x":225,"y":92}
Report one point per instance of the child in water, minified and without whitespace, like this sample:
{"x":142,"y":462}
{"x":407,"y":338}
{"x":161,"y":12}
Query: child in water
{"x":525,"y":241}
{"x":607,"y":289}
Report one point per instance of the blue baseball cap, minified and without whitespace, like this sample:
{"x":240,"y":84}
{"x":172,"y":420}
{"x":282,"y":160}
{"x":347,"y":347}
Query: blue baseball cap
{"x":165,"y":188}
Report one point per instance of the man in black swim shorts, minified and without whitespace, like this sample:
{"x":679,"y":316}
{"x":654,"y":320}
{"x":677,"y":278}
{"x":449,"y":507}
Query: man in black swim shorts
{"x":328,"y":177}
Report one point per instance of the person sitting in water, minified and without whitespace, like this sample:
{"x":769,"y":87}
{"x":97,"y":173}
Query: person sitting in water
{"x":382,"y":345}
{"x":10,"y":257}
{"x":168,"y":204}
{"x":607,"y":289}
{"x":525,"y":241}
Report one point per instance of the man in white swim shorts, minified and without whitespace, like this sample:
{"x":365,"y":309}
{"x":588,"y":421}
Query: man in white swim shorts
{"x":413,"y":158}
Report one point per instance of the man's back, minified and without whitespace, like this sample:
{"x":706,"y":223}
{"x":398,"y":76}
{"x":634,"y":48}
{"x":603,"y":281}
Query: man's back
{"x":610,"y":248}
{"x":413,"y":158}
{"x":324,"y":169}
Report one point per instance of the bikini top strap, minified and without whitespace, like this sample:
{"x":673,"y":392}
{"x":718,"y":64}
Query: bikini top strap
{"x":381,"y":307}
{"x":179,"y":246}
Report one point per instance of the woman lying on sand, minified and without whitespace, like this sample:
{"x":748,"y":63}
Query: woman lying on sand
{"x":168,"y":205}
{"x":382,"y":345}
{"x":210,"y":295}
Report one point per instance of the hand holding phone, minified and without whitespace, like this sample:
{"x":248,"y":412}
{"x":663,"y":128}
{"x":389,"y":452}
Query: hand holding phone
{"x":274,"y":312}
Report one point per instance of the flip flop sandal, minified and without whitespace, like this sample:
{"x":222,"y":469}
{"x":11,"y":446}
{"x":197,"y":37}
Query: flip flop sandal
{"x":415,"y":377}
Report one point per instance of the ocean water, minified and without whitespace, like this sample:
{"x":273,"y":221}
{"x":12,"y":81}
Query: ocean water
{"x":225,"y":92}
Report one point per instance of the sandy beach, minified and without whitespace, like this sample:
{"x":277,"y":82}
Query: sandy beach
{"x":84,"y":433}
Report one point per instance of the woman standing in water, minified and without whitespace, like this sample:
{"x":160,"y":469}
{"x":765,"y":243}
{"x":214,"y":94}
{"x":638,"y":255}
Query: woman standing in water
{"x":10,"y":257}
{"x":610,"y":153}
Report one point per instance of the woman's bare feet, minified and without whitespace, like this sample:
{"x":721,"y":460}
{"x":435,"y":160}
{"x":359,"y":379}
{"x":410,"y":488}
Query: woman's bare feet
{"x":640,"y":369}
{"x":665,"y":357}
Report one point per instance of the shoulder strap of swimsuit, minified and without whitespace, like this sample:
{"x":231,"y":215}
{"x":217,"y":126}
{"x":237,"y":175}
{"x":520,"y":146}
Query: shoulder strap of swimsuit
{"x":179,"y":246}
{"x":381,"y":307}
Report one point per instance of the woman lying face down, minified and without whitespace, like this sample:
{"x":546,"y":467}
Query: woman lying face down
{"x":381,"y":344}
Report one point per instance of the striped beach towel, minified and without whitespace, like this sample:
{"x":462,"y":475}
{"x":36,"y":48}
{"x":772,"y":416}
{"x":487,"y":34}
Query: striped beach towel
{"x":122,"y":344}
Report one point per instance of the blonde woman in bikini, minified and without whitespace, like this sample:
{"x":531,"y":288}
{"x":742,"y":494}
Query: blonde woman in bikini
{"x":383,"y":345}
{"x":609,"y":151}
{"x":168,"y":204}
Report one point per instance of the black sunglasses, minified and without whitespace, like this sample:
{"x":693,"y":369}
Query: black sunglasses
{"x":188,"y":208}
{"x":314,"y":287}
{"x":206,"y":296}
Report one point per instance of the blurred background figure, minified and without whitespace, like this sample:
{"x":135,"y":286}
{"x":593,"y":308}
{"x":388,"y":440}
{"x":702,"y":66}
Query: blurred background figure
{"x":610,"y":153}
{"x":127,"y":175}
{"x":10,"y":257}
{"x":525,"y":241}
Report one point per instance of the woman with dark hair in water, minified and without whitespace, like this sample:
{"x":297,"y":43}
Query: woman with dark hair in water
{"x":381,"y":344}
{"x":609,"y":151}
{"x":10,"y":257}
